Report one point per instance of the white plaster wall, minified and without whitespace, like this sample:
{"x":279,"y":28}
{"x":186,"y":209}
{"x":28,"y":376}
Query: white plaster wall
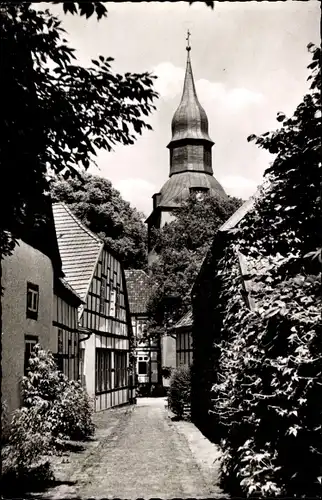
{"x":89,"y":365}
{"x":168,"y":354}
{"x":25,"y":264}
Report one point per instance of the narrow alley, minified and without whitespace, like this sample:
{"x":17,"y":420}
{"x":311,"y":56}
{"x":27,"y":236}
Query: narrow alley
{"x":139,"y":452}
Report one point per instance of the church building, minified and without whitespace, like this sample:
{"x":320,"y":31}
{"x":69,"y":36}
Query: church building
{"x":190,"y":159}
{"x":190,"y":173}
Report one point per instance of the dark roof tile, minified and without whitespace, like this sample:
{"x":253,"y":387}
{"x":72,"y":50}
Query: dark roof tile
{"x":138,"y":289}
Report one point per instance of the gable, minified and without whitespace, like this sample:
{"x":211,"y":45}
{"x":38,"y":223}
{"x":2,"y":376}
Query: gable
{"x":79,"y":249}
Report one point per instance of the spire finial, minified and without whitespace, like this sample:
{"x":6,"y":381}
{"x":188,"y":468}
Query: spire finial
{"x":188,"y":41}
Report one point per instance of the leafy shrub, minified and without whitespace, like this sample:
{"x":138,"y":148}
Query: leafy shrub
{"x":23,"y":455}
{"x":55,"y":410}
{"x":71,"y":415}
{"x":64,"y":404}
{"x":43,"y":382}
{"x":179,"y":392}
{"x":4,"y":434}
{"x":29,"y":437}
{"x":18,"y":476}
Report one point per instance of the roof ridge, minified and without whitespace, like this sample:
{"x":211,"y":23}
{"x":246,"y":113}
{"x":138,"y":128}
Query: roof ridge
{"x":80,"y":224}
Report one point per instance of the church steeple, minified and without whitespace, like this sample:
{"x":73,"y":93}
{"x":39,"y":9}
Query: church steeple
{"x":190,"y":160}
{"x":190,"y":146}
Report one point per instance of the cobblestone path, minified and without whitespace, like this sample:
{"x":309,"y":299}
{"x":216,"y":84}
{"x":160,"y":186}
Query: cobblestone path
{"x":139,"y":452}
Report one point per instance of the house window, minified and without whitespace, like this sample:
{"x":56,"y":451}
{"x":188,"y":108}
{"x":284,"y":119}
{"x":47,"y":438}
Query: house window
{"x":142,"y":368}
{"x":103,"y":370}
{"x":30,"y":342}
{"x":112,"y":303}
{"x":141,"y":328}
{"x":102,"y":295}
{"x":117,"y":301}
{"x":32,"y":300}
{"x":120,"y":369}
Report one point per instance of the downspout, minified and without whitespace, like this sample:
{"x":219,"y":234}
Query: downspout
{"x":86,"y":331}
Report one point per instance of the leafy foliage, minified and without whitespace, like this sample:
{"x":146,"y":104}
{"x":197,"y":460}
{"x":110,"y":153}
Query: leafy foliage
{"x":179,"y":392}
{"x":181,"y":246}
{"x":102,"y":209}
{"x":267,"y":359}
{"x":29,"y":440}
{"x":54,"y":410}
{"x":56,"y":114}
{"x":4,"y":434}
{"x":84,"y":8}
{"x":208,"y":4}
{"x":63,"y":404}
{"x":71,"y":415}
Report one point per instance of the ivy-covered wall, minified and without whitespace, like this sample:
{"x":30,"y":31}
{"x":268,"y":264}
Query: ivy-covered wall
{"x":206,"y":328}
{"x":257,"y":375}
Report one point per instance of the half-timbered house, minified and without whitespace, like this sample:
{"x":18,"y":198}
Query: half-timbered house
{"x":96,"y":274}
{"x":65,"y":326}
{"x":182,"y":331}
{"x":147,"y":349}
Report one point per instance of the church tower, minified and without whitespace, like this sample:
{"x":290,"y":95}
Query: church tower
{"x":190,"y":158}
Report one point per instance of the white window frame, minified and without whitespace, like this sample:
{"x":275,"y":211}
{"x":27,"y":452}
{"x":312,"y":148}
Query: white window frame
{"x":33,"y":292}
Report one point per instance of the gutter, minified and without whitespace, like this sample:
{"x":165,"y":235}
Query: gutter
{"x":84,"y":331}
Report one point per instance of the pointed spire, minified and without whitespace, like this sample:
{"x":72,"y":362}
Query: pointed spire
{"x":190,"y":120}
{"x":188,"y":41}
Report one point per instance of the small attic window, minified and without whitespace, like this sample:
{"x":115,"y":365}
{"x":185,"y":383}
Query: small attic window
{"x":199,"y":192}
{"x":32,"y":300}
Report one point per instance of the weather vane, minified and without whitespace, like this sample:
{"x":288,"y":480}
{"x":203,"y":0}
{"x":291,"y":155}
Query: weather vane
{"x":188,"y":40}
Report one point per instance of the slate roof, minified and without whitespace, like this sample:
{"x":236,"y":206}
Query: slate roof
{"x":184,"y":322}
{"x":138,"y":290}
{"x":79,"y":248}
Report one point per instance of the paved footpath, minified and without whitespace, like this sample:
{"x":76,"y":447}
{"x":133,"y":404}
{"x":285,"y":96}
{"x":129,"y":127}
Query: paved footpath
{"x":139,"y":452}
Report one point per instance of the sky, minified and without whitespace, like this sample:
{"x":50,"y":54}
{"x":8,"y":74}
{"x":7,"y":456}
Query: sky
{"x":249,"y":61}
